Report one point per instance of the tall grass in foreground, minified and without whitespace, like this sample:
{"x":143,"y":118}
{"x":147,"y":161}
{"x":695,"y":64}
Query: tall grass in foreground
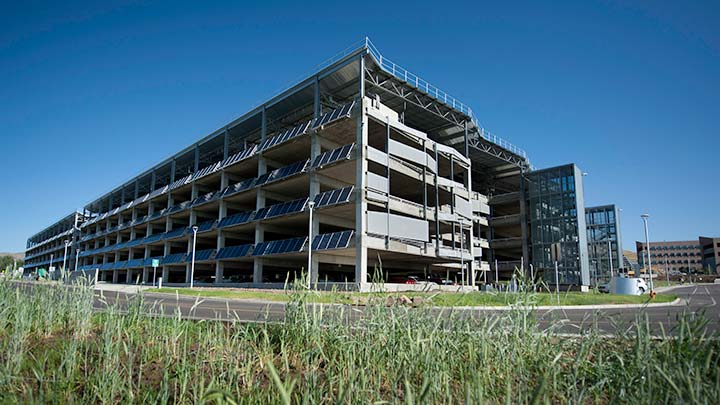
{"x":54,"y":349}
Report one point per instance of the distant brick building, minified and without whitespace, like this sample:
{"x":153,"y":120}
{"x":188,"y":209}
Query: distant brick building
{"x":687,"y":256}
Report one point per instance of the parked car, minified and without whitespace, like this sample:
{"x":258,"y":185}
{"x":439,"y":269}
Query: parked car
{"x":404,"y":279}
{"x":441,"y":281}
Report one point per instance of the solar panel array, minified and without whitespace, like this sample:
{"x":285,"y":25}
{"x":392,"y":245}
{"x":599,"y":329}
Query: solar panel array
{"x":281,"y":173}
{"x":333,"y":197}
{"x":281,"y":209}
{"x":285,"y":136}
{"x":335,"y":240}
{"x":232,"y":252}
{"x":173,"y":258}
{"x":332,"y":156}
{"x":238,"y":187}
{"x":322,"y":160}
{"x":175,"y":233}
{"x":237,"y":157}
{"x":279,"y":246}
{"x":236,"y":219}
{"x":206,"y":171}
{"x":201,"y":255}
{"x":334,"y":115}
{"x":206,"y":226}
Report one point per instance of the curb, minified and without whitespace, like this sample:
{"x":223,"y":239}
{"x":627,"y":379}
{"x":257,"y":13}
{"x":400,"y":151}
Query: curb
{"x":677,"y":301}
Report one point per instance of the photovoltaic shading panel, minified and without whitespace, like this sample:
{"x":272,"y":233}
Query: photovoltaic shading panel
{"x":236,"y":219}
{"x":175,"y":233}
{"x":238,"y":187}
{"x":332,"y":156}
{"x":285,"y":136}
{"x":281,"y":209}
{"x":335,"y":240}
{"x":173,"y":258}
{"x":239,"y":156}
{"x":135,"y":263}
{"x":279,"y":246}
{"x":153,"y":238}
{"x":333,"y":197}
{"x":231,"y":252}
{"x":177,"y":183}
{"x":206,"y":171}
{"x":281,"y":173}
{"x":206,"y":226}
{"x":334,"y":115}
{"x":201,"y":255}
{"x":158,"y":191}
{"x":206,"y":198}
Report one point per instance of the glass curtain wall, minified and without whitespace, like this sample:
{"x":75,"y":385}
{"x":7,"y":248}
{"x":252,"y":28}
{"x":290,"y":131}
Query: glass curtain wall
{"x":557,"y":225}
{"x":603,"y":226}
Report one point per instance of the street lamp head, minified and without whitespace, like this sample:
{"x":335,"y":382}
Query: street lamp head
{"x":194,"y":228}
{"x":311,"y":204}
{"x":66,"y":242}
{"x":644,"y":216}
{"x":585,"y":173}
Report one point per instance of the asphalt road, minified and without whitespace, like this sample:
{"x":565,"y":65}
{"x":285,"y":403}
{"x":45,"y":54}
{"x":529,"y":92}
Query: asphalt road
{"x":661,"y":320}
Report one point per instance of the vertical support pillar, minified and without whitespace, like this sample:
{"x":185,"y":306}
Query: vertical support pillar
{"x":314,"y":190}
{"x":316,"y":99}
{"x":260,"y":203}
{"x":524,"y":222}
{"x":361,"y":259}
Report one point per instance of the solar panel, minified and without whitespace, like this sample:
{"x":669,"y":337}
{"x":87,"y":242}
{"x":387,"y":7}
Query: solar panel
{"x":153,"y":238}
{"x":281,"y":209}
{"x":236,"y":219}
{"x":237,"y":157}
{"x":206,"y":226}
{"x":333,"y":197}
{"x":231,"y":252}
{"x":238,"y":187}
{"x":205,"y":198}
{"x":279,"y":246}
{"x":332,"y":156}
{"x":135,"y":263}
{"x":281,"y":173}
{"x":175,"y":233}
{"x":212,"y":168}
{"x":173,"y":258}
{"x":179,"y":182}
{"x":285,"y":136}
{"x":335,"y":240}
{"x":201,"y":255}
{"x":334,"y":115}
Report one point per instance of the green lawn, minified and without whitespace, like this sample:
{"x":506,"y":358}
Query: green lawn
{"x":445,"y":299}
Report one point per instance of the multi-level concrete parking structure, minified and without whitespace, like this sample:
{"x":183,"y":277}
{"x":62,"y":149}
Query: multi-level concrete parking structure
{"x":399,"y":177}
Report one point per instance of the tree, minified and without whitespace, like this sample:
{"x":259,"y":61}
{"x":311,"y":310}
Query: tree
{"x":8,"y":261}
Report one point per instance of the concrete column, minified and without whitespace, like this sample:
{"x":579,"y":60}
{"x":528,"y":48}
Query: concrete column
{"x":315,"y":150}
{"x":360,"y":200}
{"x":260,"y":203}
{"x":115,"y":277}
{"x":129,"y":277}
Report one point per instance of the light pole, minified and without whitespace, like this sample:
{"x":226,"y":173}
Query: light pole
{"x":647,"y":248}
{"x":462,"y":255}
{"x":192,"y":263}
{"x":67,"y":242}
{"x":610,"y":257}
{"x":77,"y":258}
{"x":52,"y":255}
{"x":311,"y":205}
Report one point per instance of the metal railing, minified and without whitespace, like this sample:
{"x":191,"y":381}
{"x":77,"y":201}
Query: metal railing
{"x":433,"y":91}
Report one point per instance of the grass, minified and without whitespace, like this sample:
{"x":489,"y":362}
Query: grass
{"x":54,"y":348}
{"x":443,"y":299}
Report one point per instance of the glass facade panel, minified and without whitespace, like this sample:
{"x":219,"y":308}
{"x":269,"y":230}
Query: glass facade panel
{"x":602,"y":227}
{"x":558,"y":231}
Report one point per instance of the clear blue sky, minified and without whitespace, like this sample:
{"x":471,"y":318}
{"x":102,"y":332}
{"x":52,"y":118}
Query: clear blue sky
{"x":630,"y":91}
